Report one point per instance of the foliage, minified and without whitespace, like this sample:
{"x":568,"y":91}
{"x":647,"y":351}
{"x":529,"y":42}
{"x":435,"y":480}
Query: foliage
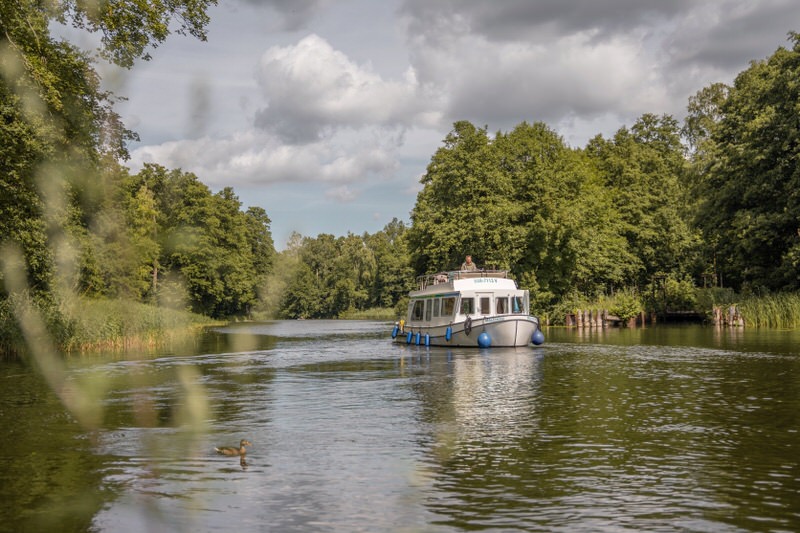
{"x":60,"y":143}
{"x":464,"y":207}
{"x":626,"y":305}
{"x":345,"y":276}
{"x":709,"y":297}
{"x":377,"y":313}
{"x":117,"y":323}
{"x":130,"y":28}
{"x":203,"y":241}
{"x":86,"y":323}
{"x":643,"y":168}
{"x":750,"y":209}
{"x":561,"y":219}
{"x":672,"y":293}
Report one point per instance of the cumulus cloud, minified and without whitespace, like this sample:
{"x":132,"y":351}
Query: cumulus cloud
{"x":318,"y":115}
{"x":312,"y":90}
{"x":254,"y":157}
{"x":341,"y":194}
{"x":504,"y":62}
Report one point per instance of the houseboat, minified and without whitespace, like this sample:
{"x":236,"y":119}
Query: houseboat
{"x":480,"y":308}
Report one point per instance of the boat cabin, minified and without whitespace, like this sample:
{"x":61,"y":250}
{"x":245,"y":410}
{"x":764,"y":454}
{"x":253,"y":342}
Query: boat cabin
{"x":445,"y":298}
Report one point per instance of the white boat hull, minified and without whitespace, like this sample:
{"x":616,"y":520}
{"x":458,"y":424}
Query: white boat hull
{"x":502,"y":331}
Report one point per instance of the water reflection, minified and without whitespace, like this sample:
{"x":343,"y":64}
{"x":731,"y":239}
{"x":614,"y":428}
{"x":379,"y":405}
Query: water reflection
{"x":603,"y":435}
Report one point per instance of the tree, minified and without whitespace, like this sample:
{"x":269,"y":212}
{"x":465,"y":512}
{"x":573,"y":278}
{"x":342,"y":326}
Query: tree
{"x":571,"y":239}
{"x":751,"y":213}
{"x":302,"y":296}
{"x":200,"y":243}
{"x":644,"y":168}
{"x":57,"y":123}
{"x":466,"y":206}
{"x":129,"y":28}
{"x":394,"y":276}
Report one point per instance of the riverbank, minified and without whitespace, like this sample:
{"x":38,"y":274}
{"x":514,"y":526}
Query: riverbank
{"x":85,"y":324}
{"x":778,"y":311}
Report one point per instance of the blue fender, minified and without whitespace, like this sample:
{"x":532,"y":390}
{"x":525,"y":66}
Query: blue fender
{"x":484,"y":340}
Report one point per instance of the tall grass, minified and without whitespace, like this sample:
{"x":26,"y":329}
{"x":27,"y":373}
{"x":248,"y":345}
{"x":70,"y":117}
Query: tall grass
{"x":82,"y":324}
{"x":120,"y":324}
{"x":377,"y":313}
{"x":781,"y":311}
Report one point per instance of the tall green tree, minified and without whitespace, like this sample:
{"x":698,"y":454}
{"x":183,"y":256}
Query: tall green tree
{"x":751,"y":213}
{"x":645,"y":168}
{"x":571,"y":230}
{"x":192,"y":242}
{"x":394,"y":276}
{"x":466,"y":206}
{"x":57,"y":122}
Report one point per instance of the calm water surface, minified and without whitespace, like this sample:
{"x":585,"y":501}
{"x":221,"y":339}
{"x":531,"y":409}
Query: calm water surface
{"x":661,"y":429}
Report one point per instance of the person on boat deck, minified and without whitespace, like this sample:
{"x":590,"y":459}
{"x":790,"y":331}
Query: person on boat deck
{"x":468,"y":265}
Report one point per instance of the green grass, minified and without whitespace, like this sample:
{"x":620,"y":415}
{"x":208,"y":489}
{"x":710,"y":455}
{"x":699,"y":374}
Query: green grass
{"x":780,"y":311}
{"x":121,"y":324}
{"x":377,"y":313}
{"x":83,"y":324}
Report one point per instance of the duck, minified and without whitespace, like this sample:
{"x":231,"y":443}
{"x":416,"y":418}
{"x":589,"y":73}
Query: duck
{"x":232,"y":450}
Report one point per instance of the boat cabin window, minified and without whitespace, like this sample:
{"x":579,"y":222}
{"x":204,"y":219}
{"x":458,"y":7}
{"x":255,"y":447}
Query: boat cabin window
{"x":448,"y":306}
{"x":485,"y":305}
{"x":417,"y":312}
{"x":467,"y":306}
{"x":501,"y":305}
{"x":517,"y":305}
{"x":428,"y":309}
{"x":436,"y":303}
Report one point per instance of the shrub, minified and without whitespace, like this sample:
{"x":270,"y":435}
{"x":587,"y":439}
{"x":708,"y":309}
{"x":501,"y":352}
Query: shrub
{"x":626,"y":305}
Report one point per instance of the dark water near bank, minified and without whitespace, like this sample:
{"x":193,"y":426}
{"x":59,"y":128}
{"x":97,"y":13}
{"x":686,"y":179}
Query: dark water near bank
{"x":662,"y":429}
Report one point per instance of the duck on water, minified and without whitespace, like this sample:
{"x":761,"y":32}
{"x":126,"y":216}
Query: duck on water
{"x":232,"y":450}
{"x":468,"y":307}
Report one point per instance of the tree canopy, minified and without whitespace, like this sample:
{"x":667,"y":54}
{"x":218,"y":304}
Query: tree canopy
{"x":750,"y":214}
{"x":59,"y":132}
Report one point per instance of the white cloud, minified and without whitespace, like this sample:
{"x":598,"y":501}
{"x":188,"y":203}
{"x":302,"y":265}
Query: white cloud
{"x":253,"y":157}
{"x":341,"y":194}
{"x":312,"y":90}
{"x":549,"y":60}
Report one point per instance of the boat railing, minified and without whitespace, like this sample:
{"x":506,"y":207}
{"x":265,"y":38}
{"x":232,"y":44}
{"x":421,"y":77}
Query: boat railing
{"x":446,"y":277}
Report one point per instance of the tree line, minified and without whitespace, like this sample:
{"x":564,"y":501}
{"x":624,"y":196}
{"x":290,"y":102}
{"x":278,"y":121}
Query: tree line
{"x":710,"y":202}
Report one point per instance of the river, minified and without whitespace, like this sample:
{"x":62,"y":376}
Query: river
{"x":668,"y":428}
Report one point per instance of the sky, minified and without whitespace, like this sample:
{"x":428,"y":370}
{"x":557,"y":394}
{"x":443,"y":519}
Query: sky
{"x":327,"y":112}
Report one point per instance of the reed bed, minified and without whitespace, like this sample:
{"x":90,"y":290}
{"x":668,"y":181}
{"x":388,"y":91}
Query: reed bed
{"x":119,"y":324}
{"x":83,"y":324}
{"x":780,"y":311}
{"x":377,"y":313}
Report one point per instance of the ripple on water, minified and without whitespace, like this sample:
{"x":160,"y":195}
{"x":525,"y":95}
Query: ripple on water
{"x":353,"y":433}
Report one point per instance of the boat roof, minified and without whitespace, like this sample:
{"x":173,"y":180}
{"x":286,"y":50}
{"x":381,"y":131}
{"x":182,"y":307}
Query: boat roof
{"x":460,"y":280}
